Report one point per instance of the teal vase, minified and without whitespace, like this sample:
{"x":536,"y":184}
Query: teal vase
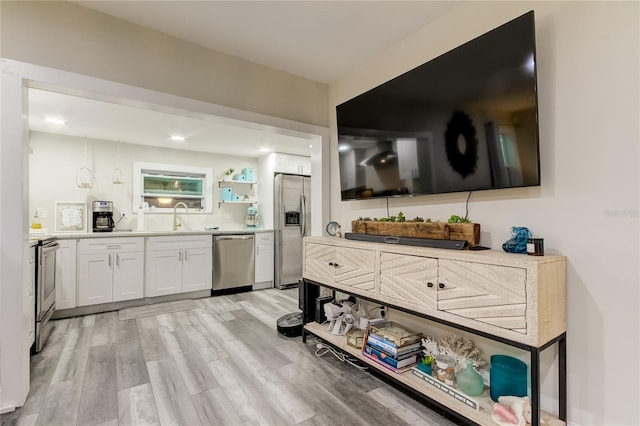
{"x":469,"y":381}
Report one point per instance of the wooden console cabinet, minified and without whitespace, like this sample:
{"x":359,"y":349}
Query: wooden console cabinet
{"x":518,"y":300}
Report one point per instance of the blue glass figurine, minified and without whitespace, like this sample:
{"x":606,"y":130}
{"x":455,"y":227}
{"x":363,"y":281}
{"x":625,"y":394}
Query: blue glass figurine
{"x":518,"y":241}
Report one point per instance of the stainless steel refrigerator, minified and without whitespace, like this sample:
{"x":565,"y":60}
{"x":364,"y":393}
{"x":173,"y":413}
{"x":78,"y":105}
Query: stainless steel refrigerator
{"x":292,"y":222}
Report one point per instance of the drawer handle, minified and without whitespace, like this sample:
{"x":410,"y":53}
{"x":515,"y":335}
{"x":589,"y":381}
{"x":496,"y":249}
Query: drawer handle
{"x":335,"y":265}
{"x":441,"y":285}
{"x":330,"y":263}
{"x":429,"y":285}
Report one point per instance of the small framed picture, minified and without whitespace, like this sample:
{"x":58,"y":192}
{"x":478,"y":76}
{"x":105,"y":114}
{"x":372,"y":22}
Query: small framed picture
{"x":71,"y":217}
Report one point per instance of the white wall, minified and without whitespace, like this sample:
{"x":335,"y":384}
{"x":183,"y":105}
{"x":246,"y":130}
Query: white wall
{"x":66,"y":36}
{"x":587,"y":207}
{"x":55,"y":160}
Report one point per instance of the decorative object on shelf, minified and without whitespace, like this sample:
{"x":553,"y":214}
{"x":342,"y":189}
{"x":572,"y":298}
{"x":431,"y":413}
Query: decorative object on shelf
{"x":339,"y":315}
{"x":395,"y":333}
{"x":512,"y":410}
{"x":239,"y":178}
{"x":235,"y":197}
{"x":535,"y":246}
{"x":71,"y":217}
{"x":443,"y":363}
{"x":443,"y":387}
{"x":461,"y":144}
{"x":434,"y":230}
{"x":518,"y":241}
{"x":84,"y":176}
{"x":228,"y":173}
{"x":457,"y":347}
{"x":332,"y":228}
{"x":226,"y":193}
{"x":470,"y":381}
{"x":355,"y":338}
{"x":425,"y":365}
{"x":392,"y":346}
{"x":248,"y":174}
{"x":508,"y":377}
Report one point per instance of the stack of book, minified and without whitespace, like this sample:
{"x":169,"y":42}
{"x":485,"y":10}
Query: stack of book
{"x":387,"y":353}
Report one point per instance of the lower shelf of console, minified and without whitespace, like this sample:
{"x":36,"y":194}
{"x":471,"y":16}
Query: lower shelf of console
{"x":481,"y":416}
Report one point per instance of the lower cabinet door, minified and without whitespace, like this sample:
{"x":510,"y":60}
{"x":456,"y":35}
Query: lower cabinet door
{"x":491,"y":294}
{"x":95,"y":274}
{"x":128,"y":276}
{"x":164,"y":272}
{"x":264,"y":262}
{"x":409,"y":279}
{"x":66,"y":278}
{"x":196,"y":269}
{"x":355,"y":268}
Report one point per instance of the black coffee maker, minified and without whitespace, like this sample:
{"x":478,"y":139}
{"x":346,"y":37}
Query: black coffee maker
{"x":102,"y":216}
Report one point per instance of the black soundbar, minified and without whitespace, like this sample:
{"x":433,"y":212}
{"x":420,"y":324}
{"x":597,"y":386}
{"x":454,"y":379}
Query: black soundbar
{"x":408,"y":241}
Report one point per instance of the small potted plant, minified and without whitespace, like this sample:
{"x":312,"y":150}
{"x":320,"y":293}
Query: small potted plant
{"x":227,"y":174}
{"x":424,"y":364}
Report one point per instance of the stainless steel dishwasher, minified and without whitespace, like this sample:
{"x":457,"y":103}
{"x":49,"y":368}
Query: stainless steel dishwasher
{"x":233,"y":261}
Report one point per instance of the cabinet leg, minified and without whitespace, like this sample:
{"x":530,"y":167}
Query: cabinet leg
{"x":535,"y":387}
{"x":562,"y":378}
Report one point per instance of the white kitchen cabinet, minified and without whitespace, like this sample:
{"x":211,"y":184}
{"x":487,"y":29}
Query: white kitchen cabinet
{"x":95,"y":278}
{"x":196,"y":269}
{"x":178,"y":264}
{"x":110,"y":270}
{"x":66,"y":275}
{"x":264,"y":252}
{"x":293,"y":164}
{"x":128,"y":276}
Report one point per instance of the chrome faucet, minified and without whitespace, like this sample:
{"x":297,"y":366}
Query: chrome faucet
{"x":175,"y":214}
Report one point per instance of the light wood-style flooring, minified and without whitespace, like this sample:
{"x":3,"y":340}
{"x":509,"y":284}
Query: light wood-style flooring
{"x":212,"y":361}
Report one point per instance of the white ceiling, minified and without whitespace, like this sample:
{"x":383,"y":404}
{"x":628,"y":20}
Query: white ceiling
{"x":112,"y":122}
{"x":319,"y":40}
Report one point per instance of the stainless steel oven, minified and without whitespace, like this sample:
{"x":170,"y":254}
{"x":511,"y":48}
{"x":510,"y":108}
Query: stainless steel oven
{"x":45,"y":289}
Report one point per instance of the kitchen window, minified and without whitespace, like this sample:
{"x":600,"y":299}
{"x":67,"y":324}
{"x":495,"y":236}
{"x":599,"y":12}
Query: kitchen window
{"x":161,"y":186}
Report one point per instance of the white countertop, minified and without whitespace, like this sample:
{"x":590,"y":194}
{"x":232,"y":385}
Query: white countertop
{"x":151,"y":233}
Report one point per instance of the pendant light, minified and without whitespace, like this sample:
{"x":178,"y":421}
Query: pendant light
{"x":116,"y":177}
{"x":84,"y":176}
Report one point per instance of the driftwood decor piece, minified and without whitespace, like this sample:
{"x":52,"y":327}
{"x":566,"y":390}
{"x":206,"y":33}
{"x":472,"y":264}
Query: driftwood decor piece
{"x":469,"y":232}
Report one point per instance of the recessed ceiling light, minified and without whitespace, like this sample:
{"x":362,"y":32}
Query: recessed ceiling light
{"x":177,"y":138}
{"x":54,"y":120}
{"x":264,"y":149}
{"x":310,"y":146}
{"x":343,"y":147}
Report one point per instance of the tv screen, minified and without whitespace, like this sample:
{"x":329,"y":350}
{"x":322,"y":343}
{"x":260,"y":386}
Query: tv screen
{"x":464,"y":121}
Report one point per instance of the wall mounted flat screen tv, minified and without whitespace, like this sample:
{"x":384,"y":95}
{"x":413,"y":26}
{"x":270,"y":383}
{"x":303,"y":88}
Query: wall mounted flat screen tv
{"x":464,"y":121}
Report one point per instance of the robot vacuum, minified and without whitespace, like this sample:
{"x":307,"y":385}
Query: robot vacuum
{"x":290,"y":325}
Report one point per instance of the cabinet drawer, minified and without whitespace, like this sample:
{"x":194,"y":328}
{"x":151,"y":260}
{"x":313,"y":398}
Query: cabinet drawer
{"x":179,"y":242}
{"x":487,"y":293}
{"x":264,"y":238}
{"x":104,"y":245}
